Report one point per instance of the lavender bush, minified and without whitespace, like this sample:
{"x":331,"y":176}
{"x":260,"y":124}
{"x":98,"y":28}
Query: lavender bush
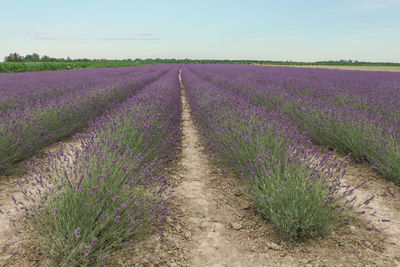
{"x":292,"y":185}
{"x":107,"y":192}
{"x":39,"y":112}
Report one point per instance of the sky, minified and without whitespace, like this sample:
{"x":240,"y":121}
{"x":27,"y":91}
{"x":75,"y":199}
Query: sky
{"x":306,"y":30}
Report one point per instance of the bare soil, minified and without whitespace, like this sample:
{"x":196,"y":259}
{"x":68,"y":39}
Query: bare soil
{"x":14,"y":250}
{"x":216,"y":224}
{"x":19,"y":250}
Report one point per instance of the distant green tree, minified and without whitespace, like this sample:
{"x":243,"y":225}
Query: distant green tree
{"x":32,"y":58}
{"x":35,"y":57}
{"x":14,"y":57}
{"x":28,"y":58}
{"x":45,"y":58}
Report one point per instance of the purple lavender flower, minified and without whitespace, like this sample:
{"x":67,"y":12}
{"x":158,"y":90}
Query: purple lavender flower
{"x":78,"y":232}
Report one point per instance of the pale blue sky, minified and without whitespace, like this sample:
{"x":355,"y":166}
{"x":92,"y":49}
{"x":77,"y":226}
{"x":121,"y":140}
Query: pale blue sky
{"x":307,"y":30}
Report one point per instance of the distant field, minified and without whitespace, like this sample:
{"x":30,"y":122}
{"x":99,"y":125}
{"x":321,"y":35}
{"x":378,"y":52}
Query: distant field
{"x":366,"y":68}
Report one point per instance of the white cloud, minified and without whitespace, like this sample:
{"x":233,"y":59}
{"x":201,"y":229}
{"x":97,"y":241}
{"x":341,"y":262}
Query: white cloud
{"x":56,"y":38}
{"x":126,"y":37}
{"x":272,"y":38}
{"x":378,"y":4}
{"x":366,"y":21}
{"x":143,"y":38}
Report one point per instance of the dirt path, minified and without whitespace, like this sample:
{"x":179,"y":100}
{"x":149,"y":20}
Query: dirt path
{"x":384,"y":206}
{"x":209,"y":230}
{"x":9,"y":243}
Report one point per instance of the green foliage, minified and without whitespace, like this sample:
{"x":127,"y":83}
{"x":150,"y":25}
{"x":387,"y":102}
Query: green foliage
{"x":283,"y":195}
{"x":6,"y":67}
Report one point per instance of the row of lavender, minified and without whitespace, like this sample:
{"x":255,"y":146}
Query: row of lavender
{"x":292,"y":185}
{"x":107,"y":191}
{"x":18,"y":90}
{"x":38,"y":110}
{"x":350,"y":111}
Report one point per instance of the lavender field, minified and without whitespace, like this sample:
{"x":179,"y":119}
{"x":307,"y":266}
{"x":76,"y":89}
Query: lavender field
{"x":284,"y":140}
{"x":36,"y":110}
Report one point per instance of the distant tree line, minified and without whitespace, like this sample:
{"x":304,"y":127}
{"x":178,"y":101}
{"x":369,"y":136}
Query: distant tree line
{"x":15,"y":57}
